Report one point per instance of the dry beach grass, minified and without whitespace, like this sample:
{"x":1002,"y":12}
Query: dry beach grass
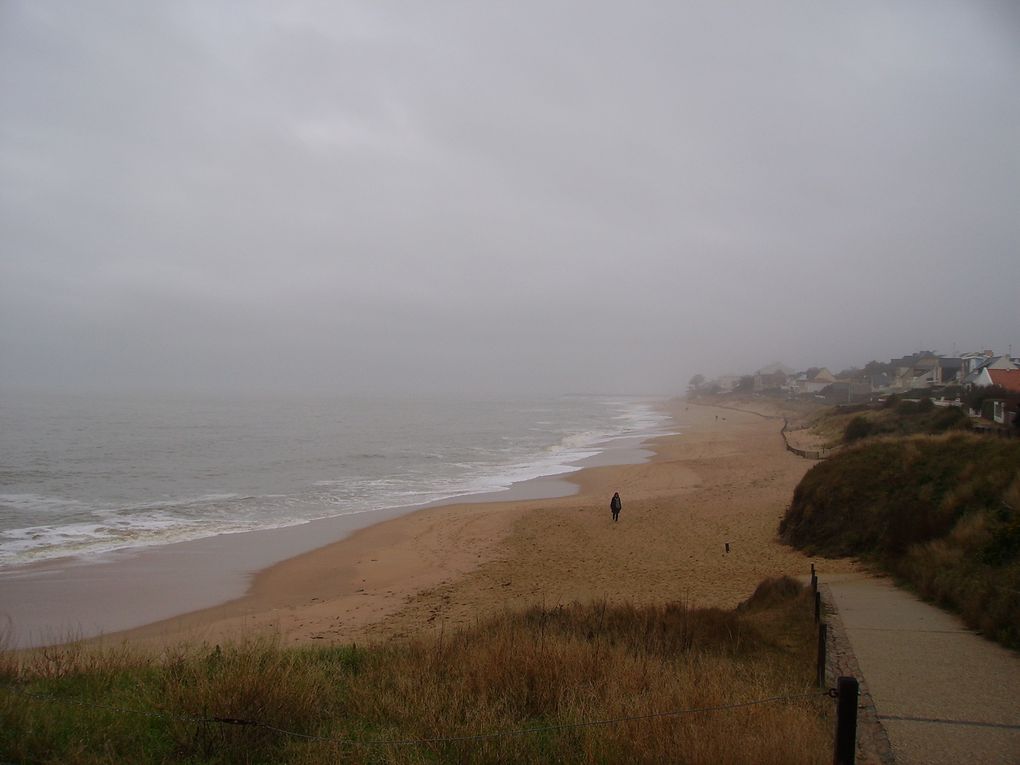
{"x":580,"y":683}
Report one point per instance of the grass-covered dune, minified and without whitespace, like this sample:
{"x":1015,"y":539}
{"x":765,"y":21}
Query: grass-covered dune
{"x":847,"y":424}
{"x":573,"y":666}
{"x":941,"y":512}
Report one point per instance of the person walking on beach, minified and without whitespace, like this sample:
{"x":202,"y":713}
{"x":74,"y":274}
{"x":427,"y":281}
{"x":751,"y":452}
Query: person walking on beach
{"x":616,"y":505}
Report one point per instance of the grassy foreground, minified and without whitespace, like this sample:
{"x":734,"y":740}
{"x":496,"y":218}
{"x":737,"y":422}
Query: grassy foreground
{"x":940,"y":512}
{"x":538,"y":668}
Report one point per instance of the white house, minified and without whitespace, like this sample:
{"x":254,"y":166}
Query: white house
{"x":822,"y":380}
{"x":981,"y":378}
{"x":1004,"y":378}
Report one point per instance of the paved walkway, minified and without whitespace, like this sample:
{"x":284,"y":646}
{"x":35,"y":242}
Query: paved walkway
{"x":943,"y":693}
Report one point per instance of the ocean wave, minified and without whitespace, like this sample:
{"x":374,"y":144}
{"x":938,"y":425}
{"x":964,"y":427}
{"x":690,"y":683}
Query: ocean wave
{"x":365,"y":481}
{"x":41,"y":503}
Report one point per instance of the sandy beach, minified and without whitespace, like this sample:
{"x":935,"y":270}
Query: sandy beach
{"x":726,"y":478}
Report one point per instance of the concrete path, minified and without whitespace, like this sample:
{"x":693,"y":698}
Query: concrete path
{"x":943,"y":693}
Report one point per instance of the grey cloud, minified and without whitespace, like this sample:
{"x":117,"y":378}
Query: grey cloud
{"x":362,"y":195}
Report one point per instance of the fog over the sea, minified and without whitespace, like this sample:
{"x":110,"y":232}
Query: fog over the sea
{"x":526,"y":196}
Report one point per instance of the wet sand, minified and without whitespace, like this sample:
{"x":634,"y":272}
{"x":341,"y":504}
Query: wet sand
{"x":726,"y":478}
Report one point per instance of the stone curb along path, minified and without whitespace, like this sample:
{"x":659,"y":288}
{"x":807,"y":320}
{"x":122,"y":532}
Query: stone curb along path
{"x":932,"y":691}
{"x":873,"y":747}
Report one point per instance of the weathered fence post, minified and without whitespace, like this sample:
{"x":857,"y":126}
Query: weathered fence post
{"x":818,"y":606}
{"x":823,"y":633}
{"x":847,"y":690}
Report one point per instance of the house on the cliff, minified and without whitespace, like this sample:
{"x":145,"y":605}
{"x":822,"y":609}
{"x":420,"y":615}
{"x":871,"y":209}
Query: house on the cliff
{"x":1001,"y":408}
{"x":774,"y":377}
{"x":948,"y":371}
{"x":979,"y":376}
{"x":915,"y":371}
{"x":815,"y":381}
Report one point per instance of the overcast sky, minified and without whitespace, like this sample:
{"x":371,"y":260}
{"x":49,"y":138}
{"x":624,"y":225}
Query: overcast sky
{"x":513,"y":196}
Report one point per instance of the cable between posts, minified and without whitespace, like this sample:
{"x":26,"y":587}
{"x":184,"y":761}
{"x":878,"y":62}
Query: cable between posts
{"x":413,"y":741}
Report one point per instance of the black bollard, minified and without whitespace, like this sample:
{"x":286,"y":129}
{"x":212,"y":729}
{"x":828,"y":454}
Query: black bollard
{"x":847,"y":690}
{"x":823,"y":633}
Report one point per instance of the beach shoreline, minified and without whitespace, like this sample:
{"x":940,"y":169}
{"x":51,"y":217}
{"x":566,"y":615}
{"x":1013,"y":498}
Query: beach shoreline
{"x":62,"y":599}
{"x":726,"y":478}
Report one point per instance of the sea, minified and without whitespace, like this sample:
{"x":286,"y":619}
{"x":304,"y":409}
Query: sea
{"x":87,"y":475}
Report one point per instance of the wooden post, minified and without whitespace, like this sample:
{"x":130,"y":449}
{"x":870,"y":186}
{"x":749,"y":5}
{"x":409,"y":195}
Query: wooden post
{"x":823,"y":633}
{"x":814,"y":583}
{"x":847,"y":690}
{"x":818,"y":607}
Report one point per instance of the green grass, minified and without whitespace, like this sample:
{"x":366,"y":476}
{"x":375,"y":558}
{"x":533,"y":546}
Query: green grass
{"x":848,"y":424}
{"x":939,"y":512}
{"x":541,"y":667}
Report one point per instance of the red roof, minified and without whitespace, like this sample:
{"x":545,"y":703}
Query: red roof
{"x":1006,"y":378}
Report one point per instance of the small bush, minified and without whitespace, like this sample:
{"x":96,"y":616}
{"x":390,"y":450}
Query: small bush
{"x":859,"y":427}
{"x":949,"y":418}
{"x":772,"y":592}
{"x":906,"y":407}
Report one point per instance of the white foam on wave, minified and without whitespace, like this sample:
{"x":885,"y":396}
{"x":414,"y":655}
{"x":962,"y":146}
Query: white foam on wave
{"x":641,"y":419}
{"x":111,"y":527}
{"x":43,"y":542}
{"x":93,"y":540}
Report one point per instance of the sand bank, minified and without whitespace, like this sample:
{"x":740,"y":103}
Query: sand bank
{"x":725,"y":478}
